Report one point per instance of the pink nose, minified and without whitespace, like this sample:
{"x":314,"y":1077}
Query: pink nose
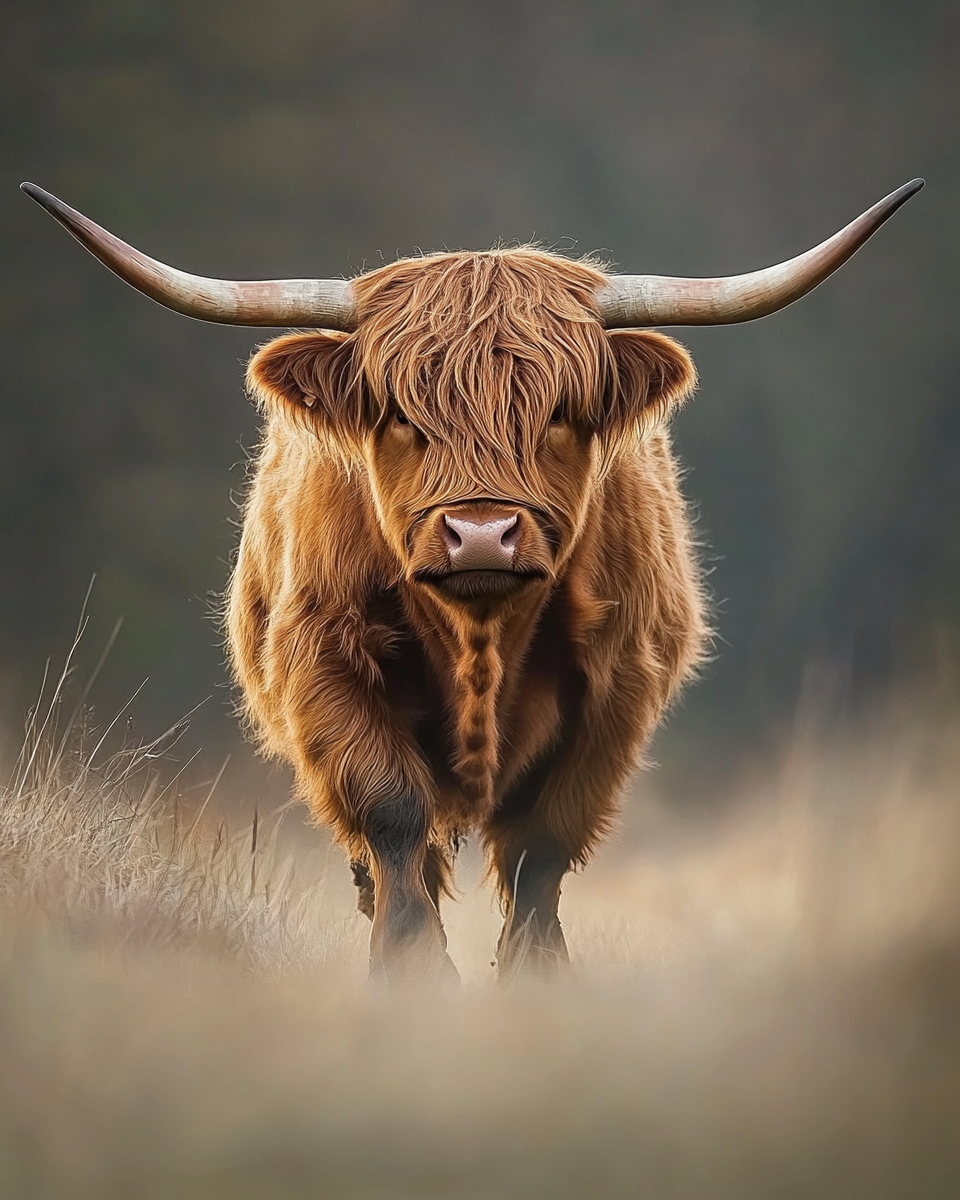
{"x":481,"y":545}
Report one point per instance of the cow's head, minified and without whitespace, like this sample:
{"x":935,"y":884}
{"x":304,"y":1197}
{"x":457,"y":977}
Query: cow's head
{"x":482,"y":393}
{"x":483,"y":398}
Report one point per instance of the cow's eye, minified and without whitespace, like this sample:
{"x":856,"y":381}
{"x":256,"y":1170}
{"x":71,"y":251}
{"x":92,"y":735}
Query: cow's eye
{"x":557,"y":415}
{"x":400,"y":418}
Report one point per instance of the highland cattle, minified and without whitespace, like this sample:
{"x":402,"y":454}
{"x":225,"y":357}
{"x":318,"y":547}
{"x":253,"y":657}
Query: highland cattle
{"x":467,"y":590}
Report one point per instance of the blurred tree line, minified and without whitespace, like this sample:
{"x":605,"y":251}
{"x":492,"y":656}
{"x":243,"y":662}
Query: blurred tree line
{"x":253,"y":140}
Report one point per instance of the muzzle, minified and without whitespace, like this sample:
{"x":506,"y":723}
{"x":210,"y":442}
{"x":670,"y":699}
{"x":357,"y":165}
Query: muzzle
{"x":481,"y":550}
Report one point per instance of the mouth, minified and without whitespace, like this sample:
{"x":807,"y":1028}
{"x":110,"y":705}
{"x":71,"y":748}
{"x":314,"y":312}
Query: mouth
{"x":477,"y":585}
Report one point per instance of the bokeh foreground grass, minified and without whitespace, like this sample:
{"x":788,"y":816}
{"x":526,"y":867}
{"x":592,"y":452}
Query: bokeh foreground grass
{"x":767,"y":1007}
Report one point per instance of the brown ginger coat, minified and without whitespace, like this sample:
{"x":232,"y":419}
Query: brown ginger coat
{"x":472,"y":379}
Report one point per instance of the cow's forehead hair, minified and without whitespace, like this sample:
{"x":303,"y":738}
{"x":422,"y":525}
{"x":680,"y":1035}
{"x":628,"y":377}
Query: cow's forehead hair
{"x":484,"y":344}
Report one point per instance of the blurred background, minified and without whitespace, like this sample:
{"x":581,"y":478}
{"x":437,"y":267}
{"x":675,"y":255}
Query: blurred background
{"x":251,"y":140}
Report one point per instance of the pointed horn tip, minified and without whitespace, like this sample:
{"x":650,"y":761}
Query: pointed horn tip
{"x":889,"y":204}
{"x":909,"y":189}
{"x":45,"y":199}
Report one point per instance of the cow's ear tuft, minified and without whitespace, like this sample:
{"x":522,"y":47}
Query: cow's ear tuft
{"x":653,"y":374}
{"x":310,"y":378}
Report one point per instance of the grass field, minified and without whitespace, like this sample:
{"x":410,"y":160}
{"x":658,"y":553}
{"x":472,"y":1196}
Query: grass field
{"x":763,"y":1004}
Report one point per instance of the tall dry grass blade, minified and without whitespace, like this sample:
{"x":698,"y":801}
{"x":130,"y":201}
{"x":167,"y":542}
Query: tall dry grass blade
{"x":68,"y":662}
{"x":158,"y":799}
{"x":209,"y":796}
{"x":112,"y":725}
{"x":253,"y":851}
{"x":39,"y":737}
{"x":88,"y":686}
{"x":30,"y":726}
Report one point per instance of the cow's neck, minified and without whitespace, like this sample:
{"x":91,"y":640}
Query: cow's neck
{"x":477,"y":660}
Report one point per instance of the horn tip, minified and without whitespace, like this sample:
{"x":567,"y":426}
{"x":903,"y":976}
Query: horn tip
{"x":44,"y":199}
{"x":902,"y":194}
{"x":906,"y":190}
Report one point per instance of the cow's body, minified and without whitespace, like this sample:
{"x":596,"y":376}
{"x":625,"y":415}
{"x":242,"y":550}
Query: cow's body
{"x":519,"y":717}
{"x":466,"y":590}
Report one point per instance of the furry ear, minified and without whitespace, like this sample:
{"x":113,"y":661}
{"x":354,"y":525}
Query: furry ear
{"x":310,"y":378}
{"x":652,"y":375}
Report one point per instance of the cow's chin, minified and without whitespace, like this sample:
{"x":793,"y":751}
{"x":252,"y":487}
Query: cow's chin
{"x":481,"y":585}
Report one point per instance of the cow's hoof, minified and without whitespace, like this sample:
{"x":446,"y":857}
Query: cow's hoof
{"x":532,"y":964}
{"x":436,"y":973}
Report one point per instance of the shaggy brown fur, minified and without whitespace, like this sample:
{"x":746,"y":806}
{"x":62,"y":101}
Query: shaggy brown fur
{"x":416,"y":705}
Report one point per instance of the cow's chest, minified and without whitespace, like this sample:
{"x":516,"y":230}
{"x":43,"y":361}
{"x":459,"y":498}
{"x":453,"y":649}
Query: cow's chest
{"x":483,"y":712}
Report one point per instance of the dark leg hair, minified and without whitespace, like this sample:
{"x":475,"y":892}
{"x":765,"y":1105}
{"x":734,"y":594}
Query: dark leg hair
{"x":529,"y":869}
{"x":407,"y":941}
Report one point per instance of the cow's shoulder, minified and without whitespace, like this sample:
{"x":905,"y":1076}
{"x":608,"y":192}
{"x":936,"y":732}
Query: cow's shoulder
{"x":313,"y":521}
{"x":634,"y":587}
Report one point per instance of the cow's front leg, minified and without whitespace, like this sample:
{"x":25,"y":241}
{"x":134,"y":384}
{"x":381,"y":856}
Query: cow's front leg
{"x":407,"y":942}
{"x":530,"y":869}
{"x":436,"y":871}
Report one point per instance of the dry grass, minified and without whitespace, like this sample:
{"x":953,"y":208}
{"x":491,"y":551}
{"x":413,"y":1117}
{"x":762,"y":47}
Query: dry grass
{"x":770,"y":1007}
{"x":95,"y":846}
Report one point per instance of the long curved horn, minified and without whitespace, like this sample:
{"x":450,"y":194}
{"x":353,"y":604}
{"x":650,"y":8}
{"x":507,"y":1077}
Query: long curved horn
{"x":639,"y":301}
{"x":320,"y":303}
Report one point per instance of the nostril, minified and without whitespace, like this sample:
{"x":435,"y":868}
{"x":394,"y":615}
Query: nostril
{"x":510,"y":533}
{"x":451,"y":538}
